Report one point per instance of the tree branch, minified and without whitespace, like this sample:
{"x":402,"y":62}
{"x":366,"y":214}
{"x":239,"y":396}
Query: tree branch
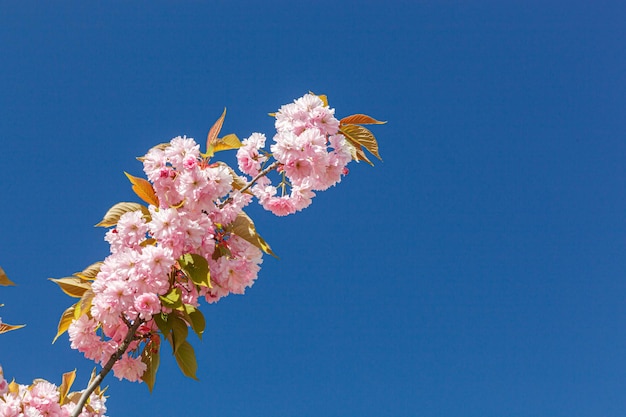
{"x":107,"y":368}
{"x":261,"y":174}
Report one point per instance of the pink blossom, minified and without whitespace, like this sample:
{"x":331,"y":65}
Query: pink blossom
{"x":249,"y":159}
{"x":83,"y":334}
{"x":165,"y":188}
{"x":147,"y":305}
{"x":180,"y":149}
{"x":192,"y":185}
{"x":280,"y":206}
{"x":228,"y":213}
{"x":153,"y":163}
{"x":156,"y":263}
{"x":44,"y":397}
{"x":323,"y":119}
{"x":166,"y":228}
{"x":129,"y":368}
{"x":220,"y":179}
{"x":130,"y":231}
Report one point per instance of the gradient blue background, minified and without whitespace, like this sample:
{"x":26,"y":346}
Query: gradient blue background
{"x":478,"y":271}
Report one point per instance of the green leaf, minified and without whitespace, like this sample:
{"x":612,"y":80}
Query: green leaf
{"x":358,"y":136}
{"x":143,"y":189}
{"x":72,"y":286}
{"x":243,"y":226}
{"x":64,"y":323}
{"x":113,"y":215}
{"x":151,"y":357}
{"x":66,"y":384}
{"x":180,"y":331}
{"x":163,"y":323}
{"x":198,"y":323}
{"x":186,"y":359}
{"x":196,"y":267}
{"x":172,"y":299}
{"x":5,"y":327}
{"x":4,"y":280}
{"x":360,"y":119}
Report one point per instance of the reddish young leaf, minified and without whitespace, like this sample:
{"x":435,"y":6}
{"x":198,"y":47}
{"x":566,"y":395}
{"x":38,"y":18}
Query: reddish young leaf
{"x":4,"y":280}
{"x":358,"y":135}
{"x":143,"y":189}
{"x":360,"y":119}
{"x":211,"y":138}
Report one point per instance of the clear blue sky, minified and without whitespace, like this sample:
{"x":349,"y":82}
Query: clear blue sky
{"x":480,"y":270}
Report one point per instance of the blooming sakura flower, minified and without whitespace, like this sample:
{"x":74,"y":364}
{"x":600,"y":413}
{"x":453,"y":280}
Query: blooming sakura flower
{"x":41,"y":399}
{"x":147,"y":304}
{"x":280,"y":206}
{"x":156,"y":263}
{"x":83,"y":335}
{"x":192,"y":184}
{"x":249,"y":159}
{"x":165,"y":227}
{"x":220,"y":180}
{"x":312,"y":155}
{"x":296,"y":116}
{"x":181,"y":149}
{"x":44,"y":397}
{"x":129,"y":368}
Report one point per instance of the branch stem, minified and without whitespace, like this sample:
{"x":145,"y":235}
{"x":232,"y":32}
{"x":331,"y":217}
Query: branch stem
{"x":260,"y":175}
{"x":95,"y":383}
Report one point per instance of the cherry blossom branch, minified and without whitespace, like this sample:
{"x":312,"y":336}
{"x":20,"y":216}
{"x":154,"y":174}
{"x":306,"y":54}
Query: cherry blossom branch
{"x":107,"y":368}
{"x":260,"y":175}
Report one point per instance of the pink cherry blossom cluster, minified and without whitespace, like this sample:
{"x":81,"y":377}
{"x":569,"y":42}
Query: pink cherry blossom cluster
{"x":310,"y":152}
{"x":194,"y":204}
{"x":192,"y":214}
{"x":42,"y":398}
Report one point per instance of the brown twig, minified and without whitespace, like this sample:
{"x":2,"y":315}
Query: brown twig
{"x":95,"y":383}
{"x":251,"y":183}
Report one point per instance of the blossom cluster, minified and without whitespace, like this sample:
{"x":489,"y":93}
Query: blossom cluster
{"x":311,"y":154}
{"x":43,"y":398}
{"x":195,"y":208}
{"x":189,"y":216}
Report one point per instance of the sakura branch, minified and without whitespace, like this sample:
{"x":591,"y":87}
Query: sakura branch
{"x":192,"y":239}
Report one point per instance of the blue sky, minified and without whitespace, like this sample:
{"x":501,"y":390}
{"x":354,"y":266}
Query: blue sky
{"x":478,"y":271}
